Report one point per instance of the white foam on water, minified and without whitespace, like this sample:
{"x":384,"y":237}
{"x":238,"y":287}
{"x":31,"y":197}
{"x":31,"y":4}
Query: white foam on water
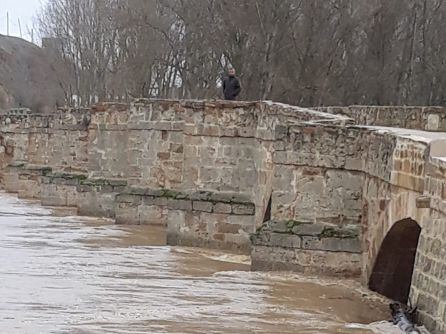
{"x":86,"y":219}
{"x":383,"y":327}
{"x":230,"y":258}
{"x":215,"y":255}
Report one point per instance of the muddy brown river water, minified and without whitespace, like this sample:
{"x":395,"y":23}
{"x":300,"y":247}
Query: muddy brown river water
{"x":79,"y":275}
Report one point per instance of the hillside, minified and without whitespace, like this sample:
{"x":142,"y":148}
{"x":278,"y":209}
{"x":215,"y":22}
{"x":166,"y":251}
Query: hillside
{"x":30,"y":76}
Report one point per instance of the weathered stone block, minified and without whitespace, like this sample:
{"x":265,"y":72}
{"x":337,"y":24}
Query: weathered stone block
{"x":423,"y":202}
{"x":279,"y":227}
{"x":160,"y":201}
{"x":332,"y":244}
{"x":281,"y":131}
{"x":306,"y":261}
{"x":29,"y":189}
{"x":280,"y":157}
{"x":433,"y":122}
{"x":178,"y":204}
{"x":354,"y":164}
{"x":261,"y":238}
{"x":225,"y":228}
{"x":127,"y":215}
{"x":202,"y":206}
{"x":10,"y":182}
{"x":227,"y":198}
{"x":128,"y":198}
{"x":97,"y":204}
{"x":309,"y":229}
{"x":201,"y":196}
{"x":117,"y":182}
{"x":222,"y":208}
{"x":243,"y":209}
{"x":247,"y":222}
{"x":285,"y":241}
{"x":152,"y":215}
{"x":135,"y":190}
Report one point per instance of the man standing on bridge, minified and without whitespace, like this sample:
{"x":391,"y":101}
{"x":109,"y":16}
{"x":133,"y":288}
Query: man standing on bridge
{"x":231,"y":86}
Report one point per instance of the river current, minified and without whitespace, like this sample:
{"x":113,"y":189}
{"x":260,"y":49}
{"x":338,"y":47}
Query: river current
{"x":86,"y":276}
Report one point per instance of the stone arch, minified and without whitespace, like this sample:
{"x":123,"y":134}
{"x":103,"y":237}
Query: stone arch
{"x":394,"y":265}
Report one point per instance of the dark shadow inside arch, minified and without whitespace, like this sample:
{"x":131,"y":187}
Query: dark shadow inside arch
{"x":267,"y":216}
{"x":393,"y":269}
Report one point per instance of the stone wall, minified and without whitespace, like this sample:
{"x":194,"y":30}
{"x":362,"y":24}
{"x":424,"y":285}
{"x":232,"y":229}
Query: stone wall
{"x":203,"y":218}
{"x":83,"y":159}
{"x":319,"y":175}
{"x":355,"y":183}
{"x":313,"y":180}
{"x":138,"y":143}
{"x":58,"y":140}
{"x":13,"y":143}
{"x":392,"y":196}
{"x":429,"y":280}
{"x":308,"y":247}
{"x":183,"y":145}
{"x":406,"y":117}
{"x":304,"y":190}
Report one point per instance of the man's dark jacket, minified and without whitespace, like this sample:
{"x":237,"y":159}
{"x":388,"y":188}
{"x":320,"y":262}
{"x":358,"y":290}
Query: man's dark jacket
{"x":231,"y":88}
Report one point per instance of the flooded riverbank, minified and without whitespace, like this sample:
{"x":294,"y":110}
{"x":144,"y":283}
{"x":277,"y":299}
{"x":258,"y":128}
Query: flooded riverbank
{"x":79,"y":275}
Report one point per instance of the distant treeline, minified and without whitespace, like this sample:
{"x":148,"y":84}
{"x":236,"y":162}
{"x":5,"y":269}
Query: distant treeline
{"x":303,"y":52}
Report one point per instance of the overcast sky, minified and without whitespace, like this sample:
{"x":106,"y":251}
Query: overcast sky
{"x":24,"y":10}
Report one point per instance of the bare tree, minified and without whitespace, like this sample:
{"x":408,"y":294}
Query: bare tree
{"x":319,"y":52}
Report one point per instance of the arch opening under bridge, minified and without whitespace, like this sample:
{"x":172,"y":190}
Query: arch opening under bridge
{"x":394,"y":265}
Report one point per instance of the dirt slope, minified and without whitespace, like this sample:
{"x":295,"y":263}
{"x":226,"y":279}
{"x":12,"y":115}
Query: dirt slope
{"x":30,"y":76}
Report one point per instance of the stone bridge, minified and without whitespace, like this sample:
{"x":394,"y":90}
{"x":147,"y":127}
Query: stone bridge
{"x":352,"y":191}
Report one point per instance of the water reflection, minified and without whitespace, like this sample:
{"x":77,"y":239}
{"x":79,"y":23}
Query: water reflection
{"x":76,"y":275}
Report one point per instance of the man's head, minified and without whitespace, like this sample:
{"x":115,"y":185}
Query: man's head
{"x":231,"y":72}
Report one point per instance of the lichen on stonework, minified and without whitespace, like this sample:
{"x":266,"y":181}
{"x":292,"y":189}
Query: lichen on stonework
{"x":331,"y":232}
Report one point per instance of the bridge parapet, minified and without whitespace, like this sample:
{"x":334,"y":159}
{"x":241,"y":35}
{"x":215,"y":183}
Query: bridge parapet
{"x":405,"y":117}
